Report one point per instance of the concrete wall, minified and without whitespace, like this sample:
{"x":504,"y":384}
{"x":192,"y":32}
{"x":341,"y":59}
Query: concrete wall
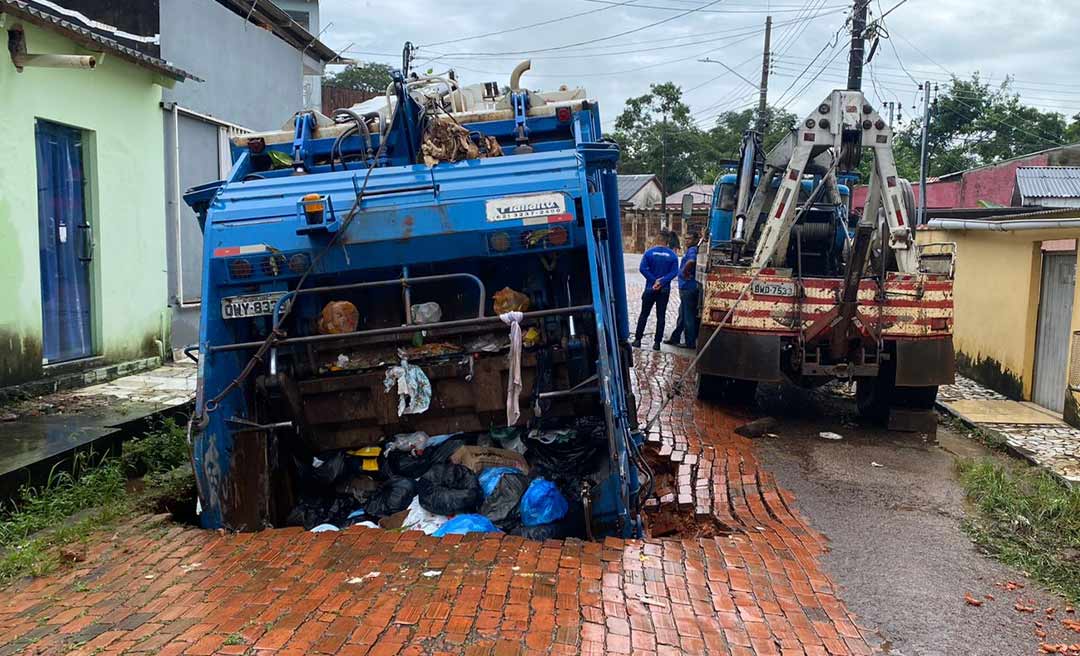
{"x":641,"y":227}
{"x":648,"y":197}
{"x":117,"y":104}
{"x":251,"y":78}
{"x":996,"y":304}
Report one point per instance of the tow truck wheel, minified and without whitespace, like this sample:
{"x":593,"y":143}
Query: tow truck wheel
{"x":873,"y":394}
{"x":710,"y":388}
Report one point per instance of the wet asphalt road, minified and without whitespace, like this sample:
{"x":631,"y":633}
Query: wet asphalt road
{"x":898,"y":551}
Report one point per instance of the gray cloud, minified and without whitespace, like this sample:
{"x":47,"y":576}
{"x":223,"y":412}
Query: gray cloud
{"x":1032,"y":41}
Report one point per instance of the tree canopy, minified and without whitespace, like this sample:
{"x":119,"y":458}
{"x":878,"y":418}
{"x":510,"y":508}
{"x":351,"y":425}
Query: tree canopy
{"x":972,"y":124}
{"x":371,"y":77}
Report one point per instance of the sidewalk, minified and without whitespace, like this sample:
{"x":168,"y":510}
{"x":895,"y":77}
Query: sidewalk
{"x":1031,"y":431}
{"x":39,"y":432}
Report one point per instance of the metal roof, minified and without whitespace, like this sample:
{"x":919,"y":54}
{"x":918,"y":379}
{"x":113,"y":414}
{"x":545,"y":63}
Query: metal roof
{"x":631,"y":184}
{"x":92,"y":40}
{"x":1048,"y":181}
{"x":702,"y":194}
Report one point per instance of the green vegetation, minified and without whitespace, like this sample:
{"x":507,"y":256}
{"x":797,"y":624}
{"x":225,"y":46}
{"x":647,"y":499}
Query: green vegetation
{"x":371,"y":77}
{"x":1027,"y":519}
{"x":51,"y":524}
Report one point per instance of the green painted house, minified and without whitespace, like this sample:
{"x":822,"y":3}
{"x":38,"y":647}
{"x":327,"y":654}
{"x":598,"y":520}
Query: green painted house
{"x":83,"y":278}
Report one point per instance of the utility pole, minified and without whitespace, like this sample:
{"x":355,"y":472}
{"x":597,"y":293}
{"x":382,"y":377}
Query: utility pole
{"x":763,"y":93}
{"x":663,"y":167}
{"x":923,"y":158}
{"x":858,"y":45}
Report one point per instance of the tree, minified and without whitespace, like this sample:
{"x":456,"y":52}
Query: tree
{"x":657,"y":135}
{"x":371,"y":77}
{"x":723,"y":141}
{"x":973,"y":124}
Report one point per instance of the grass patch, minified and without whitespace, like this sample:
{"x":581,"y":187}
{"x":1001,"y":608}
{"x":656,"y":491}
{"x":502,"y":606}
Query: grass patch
{"x":1027,"y":519}
{"x":51,"y":524}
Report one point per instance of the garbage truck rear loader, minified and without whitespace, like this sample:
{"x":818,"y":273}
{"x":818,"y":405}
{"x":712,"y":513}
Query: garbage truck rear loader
{"x":361,"y":278}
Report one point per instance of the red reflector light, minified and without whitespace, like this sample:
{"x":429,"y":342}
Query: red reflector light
{"x":563,"y":114}
{"x":557,"y":236}
{"x":939,"y":324}
{"x":500,"y":242}
{"x":899,"y":217}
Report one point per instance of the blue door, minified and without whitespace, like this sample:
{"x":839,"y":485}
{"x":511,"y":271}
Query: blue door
{"x":67,"y":244}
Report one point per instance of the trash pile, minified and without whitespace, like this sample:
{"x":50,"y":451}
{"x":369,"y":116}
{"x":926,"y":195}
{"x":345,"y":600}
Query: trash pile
{"x":510,"y":480}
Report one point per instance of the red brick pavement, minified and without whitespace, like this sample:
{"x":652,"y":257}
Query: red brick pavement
{"x":758,"y":589}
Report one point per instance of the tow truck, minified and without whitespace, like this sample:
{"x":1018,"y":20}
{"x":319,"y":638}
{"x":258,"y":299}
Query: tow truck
{"x":797,"y":288}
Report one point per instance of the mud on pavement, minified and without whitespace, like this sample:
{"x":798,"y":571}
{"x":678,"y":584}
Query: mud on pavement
{"x":749,"y":583}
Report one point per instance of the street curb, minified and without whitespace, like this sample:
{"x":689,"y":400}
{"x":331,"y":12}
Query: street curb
{"x":1008,"y":448}
{"x":76,"y":380}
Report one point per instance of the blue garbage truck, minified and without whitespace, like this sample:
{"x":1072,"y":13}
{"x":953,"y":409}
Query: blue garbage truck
{"x":442,"y":259}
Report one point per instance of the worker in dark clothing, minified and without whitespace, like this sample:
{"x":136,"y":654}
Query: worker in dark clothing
{"x":659,"y":266}
{"x":688,"y":297}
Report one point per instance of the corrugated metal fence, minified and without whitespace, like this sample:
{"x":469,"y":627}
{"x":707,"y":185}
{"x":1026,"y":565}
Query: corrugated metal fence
{"x":338,"y":97}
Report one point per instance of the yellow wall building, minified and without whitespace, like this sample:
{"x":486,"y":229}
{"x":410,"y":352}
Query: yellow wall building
{"x":1016,"y":311}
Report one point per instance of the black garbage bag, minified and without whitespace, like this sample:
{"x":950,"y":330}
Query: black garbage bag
{"x":325,"y":468}
{"x":403,"y":463}
{"x":568,"y":461}
{"x":541,"y":532}
{"x":314,"y":510}
{"x":393,"y":496}
{"x":501,"y":506}
{"x":448,"y":489}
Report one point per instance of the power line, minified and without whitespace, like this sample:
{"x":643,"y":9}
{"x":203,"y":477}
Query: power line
{"x":718,"y":11}
{"x":602,"y":38}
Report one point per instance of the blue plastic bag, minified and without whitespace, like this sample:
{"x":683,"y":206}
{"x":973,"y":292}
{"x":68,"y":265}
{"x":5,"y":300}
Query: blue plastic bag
{"x":489,"y":478}
{"x":463,"y":524}
{"x":542,"y":503}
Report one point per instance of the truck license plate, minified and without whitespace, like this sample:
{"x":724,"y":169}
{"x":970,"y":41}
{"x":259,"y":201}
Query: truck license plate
{"x":766,"y":288}
{"x":253,"y":305}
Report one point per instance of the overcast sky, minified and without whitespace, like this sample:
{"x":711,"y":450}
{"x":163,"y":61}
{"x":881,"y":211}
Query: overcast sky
{"x":616,"y":48}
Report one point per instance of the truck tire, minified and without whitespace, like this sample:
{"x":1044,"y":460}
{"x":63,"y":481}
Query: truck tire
{"x":710,"y":388}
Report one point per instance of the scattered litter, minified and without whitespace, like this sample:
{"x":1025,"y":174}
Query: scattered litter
{"x":413,"y":443}
{"x":649,"y":601}
{"x":826,"y":435}
{"x":432,"y":573}
{"x":413,"y":387}
{"x":1009,"y":585}
{"x":772,"y":435}
{"x":343,"y":361}
{"x":1072,"y":625}
{"x":192,"y":566}
{"x":368,"y":524}
{"x":426,"y":313}
{"x":509,"y":300}
{"x":561,"y":435}
{"x":324,"y":528}
{"x":148,"y":577}
{"x":1022,"y":608}
{"x":316,"y":462}
{"x":971,"y":601}
{"x":360,"y":579}
{"x":876,"y":464}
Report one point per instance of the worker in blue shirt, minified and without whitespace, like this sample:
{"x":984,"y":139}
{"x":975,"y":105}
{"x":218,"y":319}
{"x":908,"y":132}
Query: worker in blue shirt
{"x":659,"y":266}
{"x":688,"y":297}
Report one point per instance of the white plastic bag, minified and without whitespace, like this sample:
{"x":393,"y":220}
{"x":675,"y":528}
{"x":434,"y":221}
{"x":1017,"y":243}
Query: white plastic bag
{"x":426,"y":313}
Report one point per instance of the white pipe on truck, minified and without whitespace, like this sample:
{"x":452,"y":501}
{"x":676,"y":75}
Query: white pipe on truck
{"x":1002,"y":226}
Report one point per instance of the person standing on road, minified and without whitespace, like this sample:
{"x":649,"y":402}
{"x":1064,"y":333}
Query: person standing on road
{"x":688,"y":297}
{"x":659,"y":266}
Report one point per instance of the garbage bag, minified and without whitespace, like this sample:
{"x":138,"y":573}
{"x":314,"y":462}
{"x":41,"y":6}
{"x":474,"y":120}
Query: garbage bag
{"x":463,"y":524}
{"x":426,"y":313}
{"x":393,"y":496}
{"x":327,"y":467}
{"x":325,"y":528}
{"x":403,"y":463}
{"x":419,"y":519}
{"x":448,"y":489}
{"x":311,"y":511}
{"x":542,"y":503}
{"x":410,"y":442}
{"x":489,"y":478}
{"x":412,"y":385}
{"x":338,"y":317}
{"x":541,"y":532}
{"x":501,"y":505}
{"x":568,"y":461}
{"x":509,"y":300}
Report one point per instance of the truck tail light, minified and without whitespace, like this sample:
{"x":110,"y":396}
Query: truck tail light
{"x":939,"y":324}
{"x":313,"y":208}
{"x":563,"y":114}
{"x":499,"y":242}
